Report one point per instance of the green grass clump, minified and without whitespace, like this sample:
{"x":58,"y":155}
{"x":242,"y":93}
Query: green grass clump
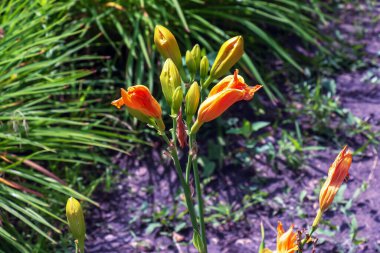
{"x":127,"y":28}
{"x":50,"y":124}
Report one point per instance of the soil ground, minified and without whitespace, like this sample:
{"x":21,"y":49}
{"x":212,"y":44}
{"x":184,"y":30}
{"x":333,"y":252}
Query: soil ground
{"x":352,"y":224}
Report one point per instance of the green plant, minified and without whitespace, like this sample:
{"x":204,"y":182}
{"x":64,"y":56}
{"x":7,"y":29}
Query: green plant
{"x":224,"y":213}
{"x":127,"y":27}
{"x":140,"y":103}
{"x":50,"y":126}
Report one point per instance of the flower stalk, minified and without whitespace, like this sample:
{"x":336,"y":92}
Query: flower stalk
{"x":194,"y":161}
{"x":141,"y":104}
{"x":185,"y":186}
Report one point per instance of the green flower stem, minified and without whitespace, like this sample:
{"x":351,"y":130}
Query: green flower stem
{"x":188,"y":169}
{"x":185,"y":186}
{"x":201,"y":100}
{"x":183,"y":75}
{"x":201,"y":82}
{"x":198,"y":190}
{"x":76,"y":247}
{"x":81,"y":245}
{"x":188,"y":165}
{"x":207,"y":82}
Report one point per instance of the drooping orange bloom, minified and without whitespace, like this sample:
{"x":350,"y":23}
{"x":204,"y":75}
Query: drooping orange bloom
{"x":138,"y":98}
{"x":286,"y":241}
{"x":228,"y":91}
{"x":338,"y":171}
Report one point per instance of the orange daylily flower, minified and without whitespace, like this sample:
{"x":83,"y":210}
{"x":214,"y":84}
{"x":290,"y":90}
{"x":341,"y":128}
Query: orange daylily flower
{"x":338,"y":171}
{"x":228,"y":91}
{"x":138,"y":98}
{"x":286,"y":241}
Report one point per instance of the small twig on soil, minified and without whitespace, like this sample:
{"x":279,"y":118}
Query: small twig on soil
{"x":178,"y":246}
{"x":270,"y":225}
{"x":371,"y":174}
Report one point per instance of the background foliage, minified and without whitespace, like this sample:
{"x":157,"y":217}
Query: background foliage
{"x":127,"y":29}
{"x":50,"y":121}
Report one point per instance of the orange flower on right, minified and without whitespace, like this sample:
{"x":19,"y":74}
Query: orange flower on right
{"x":286,"y":241}
{"x":228,"y":91}
{"x":338,"y":171}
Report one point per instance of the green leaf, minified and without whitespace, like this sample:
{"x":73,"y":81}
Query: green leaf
{"x":262,"y":244}
{"x":256,"y":126}
{"x":151,"y":227}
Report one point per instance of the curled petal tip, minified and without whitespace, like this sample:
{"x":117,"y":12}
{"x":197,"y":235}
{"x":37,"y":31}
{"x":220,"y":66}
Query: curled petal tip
{"x":236,"y":73}
{"x":346,"y":150}
{"x":118,"y":103}
{"x":252,"y":91}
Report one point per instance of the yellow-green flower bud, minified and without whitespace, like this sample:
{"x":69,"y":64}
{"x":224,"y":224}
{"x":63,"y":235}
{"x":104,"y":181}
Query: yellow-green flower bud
{"x":196,"y":52}
{"x":192,"y":99}
{"x":190,"y":63}
{"x":75,"y":219}
{"x":229,"y":54}
{"x":177,"y":99}
{"x":204,"y":67}
{"x":167,"y":45}
{"x":170,"y":80}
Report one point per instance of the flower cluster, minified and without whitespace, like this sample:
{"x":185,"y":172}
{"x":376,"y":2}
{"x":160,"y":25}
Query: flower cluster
{"x":187,"y":91}
{"x":231,"y":89}
{"x":288,"y":242}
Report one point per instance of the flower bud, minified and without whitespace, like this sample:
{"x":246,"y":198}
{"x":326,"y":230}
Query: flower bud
{"x":167,"y":45}
{"x":177,"y":99}
{"x":191,"y":65}
{"x":170,"y":80}
{"x":75,"y":220}
{"x":204,"y":67}
{"x":192,"y":99}
{"x":337,"y":173}
{"x":196,"y":52}
{"x":229,"y":54}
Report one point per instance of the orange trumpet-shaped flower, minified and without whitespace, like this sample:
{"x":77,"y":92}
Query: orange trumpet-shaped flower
{"x":338,"y":171}
{"x":138,"y":98}
{"x":228,"y":91}
{"x":286,"y":241}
